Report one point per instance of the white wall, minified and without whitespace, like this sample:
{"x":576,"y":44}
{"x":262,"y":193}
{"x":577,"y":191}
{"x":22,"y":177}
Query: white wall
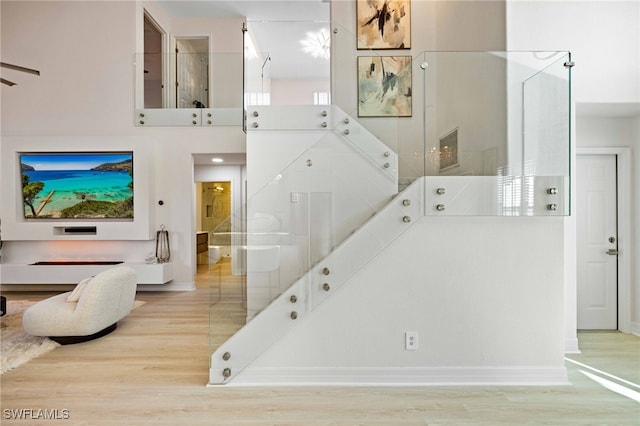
{"x":472,"y":312}
{"x":604,"y":39}
{"x":296,"y":92}
{"x":86,"y":90}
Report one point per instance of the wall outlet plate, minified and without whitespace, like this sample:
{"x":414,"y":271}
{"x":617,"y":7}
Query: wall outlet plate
{"x":411,"y":340}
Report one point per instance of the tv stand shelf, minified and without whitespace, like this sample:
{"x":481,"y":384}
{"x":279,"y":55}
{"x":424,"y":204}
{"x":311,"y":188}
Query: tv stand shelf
{"x":13,"y":273}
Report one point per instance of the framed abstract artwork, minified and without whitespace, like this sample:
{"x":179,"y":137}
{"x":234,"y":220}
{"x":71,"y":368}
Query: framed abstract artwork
{"x":383,"y":24}
{"x":384,"y":86}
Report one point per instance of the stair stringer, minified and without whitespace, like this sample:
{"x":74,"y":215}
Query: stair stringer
{"x":318,"y":284}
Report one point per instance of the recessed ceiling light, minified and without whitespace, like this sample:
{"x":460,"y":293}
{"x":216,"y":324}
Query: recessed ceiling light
{"x":217,"y":160}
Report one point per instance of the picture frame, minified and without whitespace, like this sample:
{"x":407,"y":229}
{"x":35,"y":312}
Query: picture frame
{"x":383,"y":24}
{"x":384,"y":86}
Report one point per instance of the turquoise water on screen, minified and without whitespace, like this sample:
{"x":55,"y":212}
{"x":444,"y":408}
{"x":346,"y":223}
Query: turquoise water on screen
{"x":72,"y":186}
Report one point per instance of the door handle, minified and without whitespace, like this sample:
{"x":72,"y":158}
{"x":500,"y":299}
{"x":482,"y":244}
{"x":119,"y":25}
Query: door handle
{"x":612,"y":252}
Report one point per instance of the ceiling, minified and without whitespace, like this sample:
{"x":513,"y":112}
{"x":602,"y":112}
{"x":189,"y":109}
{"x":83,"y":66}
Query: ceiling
{"x":233,"y":159}
{"x":282,"y":10}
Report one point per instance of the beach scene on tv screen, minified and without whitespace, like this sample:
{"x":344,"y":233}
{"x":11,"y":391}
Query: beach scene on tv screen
{"x":77,"y":185}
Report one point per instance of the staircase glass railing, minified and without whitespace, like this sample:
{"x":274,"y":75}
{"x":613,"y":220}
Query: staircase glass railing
{"x":496,"y":132}
{"x":489,"y":131}
{"x":308,"y":190}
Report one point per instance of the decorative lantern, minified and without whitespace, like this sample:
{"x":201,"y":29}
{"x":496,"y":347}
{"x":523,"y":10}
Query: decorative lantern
{"x":163,"y":252}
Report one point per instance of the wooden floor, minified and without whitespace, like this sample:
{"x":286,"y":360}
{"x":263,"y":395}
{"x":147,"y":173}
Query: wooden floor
{"x":153,"y":370}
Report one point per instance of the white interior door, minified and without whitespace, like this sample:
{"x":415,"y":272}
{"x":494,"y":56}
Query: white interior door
{"x":597,"y":242}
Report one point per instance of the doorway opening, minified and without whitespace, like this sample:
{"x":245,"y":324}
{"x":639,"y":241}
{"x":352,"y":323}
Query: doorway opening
{"x":597,"y":223}
{"x":192,"y":72}
{"x":154,"y":60}
{"x":604,"y":239}
{"x":214,"y":220}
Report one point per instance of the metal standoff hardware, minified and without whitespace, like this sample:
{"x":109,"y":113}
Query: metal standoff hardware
{"x":324,"y":124}
{"x":440,"y":191}
{"x":293,"y":298}
{"x":552,"y":191}
{"x":386,"y":165}
{"x":324,"y":113}
{"x":226,"y":356}
{"x":552,"y":207}
{"x":141,"y":114}
{"x":326,"y":287}
{"x":208,"y":114}
{"x":141,"y":122}
{"x":346,"y":120}
{"x":255,"y":125}
{"x":406,"y":202}
{"x":309,"y":163}
{"x":255,"y":113}
{"x":325,"y":271}
{"x":346,"y":132}
{"x":208,"y":121}
{"x":440,"y":207}
{"x":194,"y":122}
{"x":406,"y":219}
{"x":387,"y":153}
{"x":226,"y":373}
{"x":294,"y":315}
{"x":194,"y":115}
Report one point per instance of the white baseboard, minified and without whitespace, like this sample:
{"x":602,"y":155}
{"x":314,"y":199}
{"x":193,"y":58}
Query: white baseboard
{"x":571,"y":346}
{"x":401,"y":376}
{"x":635,"y":328}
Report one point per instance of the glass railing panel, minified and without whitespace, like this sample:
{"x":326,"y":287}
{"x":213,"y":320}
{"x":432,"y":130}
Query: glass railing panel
{"x":298,"y":217}
{"x":188,"y":89}
{"x":377,"y":89}
{"x":503,"y":116}
{"x":224,"y":274}
{"x":293,"y":71}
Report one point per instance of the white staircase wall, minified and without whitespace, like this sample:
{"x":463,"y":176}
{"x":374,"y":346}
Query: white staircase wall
{"x":484,"y":294}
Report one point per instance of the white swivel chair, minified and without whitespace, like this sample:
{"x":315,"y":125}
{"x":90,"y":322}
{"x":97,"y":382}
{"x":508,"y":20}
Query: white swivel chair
{"x":92,"y":310}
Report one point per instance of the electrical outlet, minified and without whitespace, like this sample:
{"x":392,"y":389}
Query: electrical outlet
{"x":411,"y":340}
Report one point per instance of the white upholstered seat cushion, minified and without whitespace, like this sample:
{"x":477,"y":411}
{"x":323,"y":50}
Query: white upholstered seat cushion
{"x":107,"y":298}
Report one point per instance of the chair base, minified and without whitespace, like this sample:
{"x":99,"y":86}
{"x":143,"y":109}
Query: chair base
{"x":70,"y":340}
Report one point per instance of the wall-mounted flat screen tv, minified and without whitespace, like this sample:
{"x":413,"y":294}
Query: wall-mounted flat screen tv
{"x":77,"y":185}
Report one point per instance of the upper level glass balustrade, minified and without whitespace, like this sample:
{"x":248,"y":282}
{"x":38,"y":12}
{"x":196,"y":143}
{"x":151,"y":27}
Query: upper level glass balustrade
{"x":188,"y":89}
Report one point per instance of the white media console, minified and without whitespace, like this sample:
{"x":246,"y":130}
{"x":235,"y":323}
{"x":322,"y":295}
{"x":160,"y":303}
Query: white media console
{"x":12,"y":273}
